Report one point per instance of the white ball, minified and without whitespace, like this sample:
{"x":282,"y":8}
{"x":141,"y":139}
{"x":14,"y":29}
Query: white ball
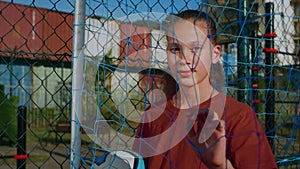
{"x":119,"y":160}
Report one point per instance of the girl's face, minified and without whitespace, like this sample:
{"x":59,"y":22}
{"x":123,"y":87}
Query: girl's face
{"x":190,"y":53}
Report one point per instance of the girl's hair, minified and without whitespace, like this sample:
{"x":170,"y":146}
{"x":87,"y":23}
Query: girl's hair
{"x":217,"y":78}
{"x":206,"y":21}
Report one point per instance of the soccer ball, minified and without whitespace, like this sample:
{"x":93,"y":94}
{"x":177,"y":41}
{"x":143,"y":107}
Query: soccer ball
{"x":121,"y":159}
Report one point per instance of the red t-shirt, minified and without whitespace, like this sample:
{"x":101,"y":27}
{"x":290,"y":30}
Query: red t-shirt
{"x":247,"y":145}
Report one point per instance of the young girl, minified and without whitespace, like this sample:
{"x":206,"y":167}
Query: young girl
{"x":200,"y":127}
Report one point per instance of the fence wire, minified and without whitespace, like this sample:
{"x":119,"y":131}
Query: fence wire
{"x":36,"y":71}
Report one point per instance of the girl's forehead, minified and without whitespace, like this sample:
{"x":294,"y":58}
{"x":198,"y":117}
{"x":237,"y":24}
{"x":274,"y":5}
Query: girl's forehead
{"x":187,"y":32}
{"x":188,"y":23}
{"x":185,"y":28}
{"x":186,"y":36}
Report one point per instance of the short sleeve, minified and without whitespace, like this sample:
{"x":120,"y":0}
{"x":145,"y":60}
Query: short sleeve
{"x":247,"y":142}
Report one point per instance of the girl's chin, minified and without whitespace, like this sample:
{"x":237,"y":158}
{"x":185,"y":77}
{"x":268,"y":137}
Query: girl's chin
{"x":187,"y":83}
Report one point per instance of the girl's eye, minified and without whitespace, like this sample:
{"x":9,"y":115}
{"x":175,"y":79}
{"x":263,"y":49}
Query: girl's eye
{"x":174,"y":49}
{"x":197,"y":48}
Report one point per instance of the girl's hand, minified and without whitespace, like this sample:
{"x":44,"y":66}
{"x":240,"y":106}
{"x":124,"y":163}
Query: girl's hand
{"x":211,"y":146}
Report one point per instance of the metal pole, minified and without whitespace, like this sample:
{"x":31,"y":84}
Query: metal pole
{"x":254,"y":74}
{"x":77,"y":82}
{"x":21,"y":155}
{"x":243,"y":51}
{"x":270,"y":95}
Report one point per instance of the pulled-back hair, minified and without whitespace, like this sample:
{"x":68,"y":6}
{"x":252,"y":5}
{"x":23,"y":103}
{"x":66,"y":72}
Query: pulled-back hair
{"x":206,"y":21}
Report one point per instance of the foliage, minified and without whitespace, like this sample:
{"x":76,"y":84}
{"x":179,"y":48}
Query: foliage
{"x":107,"y":106}
{"x":8,"y":116}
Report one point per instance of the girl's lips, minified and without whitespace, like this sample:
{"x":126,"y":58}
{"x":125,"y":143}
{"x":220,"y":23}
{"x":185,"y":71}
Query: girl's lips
{"x":185,"y":73}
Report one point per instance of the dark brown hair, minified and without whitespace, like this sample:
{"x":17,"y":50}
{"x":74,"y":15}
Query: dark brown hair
{"x":195,"y":15}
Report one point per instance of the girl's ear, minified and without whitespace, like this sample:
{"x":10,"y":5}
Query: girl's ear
{"x":216,"y":54}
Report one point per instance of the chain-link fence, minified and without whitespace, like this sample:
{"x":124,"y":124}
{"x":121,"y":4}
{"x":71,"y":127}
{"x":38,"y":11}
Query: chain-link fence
{"x":260,"y":52}
{"x":36,"y":49}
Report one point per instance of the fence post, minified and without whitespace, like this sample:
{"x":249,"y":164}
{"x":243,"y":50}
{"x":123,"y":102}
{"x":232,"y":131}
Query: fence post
{"x":21,"y":155}
{"x":77,"y":82}
{"x":269,"y":50}
{"x":254,"y":69}
{"x":243,"y":51}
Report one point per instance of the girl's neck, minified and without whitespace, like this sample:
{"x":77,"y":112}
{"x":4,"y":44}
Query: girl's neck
{"x":193,"y":96}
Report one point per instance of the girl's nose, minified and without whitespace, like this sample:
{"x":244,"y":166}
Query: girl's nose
{"x":184,"y":57}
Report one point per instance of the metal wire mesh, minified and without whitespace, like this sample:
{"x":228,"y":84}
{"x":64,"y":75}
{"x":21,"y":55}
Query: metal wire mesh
{"x":36,"y":60}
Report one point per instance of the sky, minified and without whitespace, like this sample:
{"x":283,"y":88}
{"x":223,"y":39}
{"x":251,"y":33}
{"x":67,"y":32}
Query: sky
{"x":114,"y":7}
{"x":63,"y":5}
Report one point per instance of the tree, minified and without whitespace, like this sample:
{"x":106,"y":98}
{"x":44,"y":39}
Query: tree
{"x":8,"y":116}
